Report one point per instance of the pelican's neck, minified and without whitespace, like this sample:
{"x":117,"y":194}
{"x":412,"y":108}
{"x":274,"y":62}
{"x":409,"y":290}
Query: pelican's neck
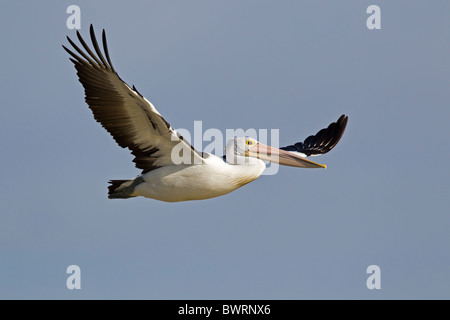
{"x":241,"y":169}
{"x":246,"y":170}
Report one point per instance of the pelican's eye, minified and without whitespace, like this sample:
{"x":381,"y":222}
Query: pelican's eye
{"x":250,"y":142}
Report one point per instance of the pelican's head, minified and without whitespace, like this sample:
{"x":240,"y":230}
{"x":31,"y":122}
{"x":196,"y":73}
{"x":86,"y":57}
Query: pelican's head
{"x":238,"y":148}
{"x":245,"y":150}
{"x":241,"y":145}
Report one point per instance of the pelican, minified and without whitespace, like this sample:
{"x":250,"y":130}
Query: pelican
{"x":134,"y":123}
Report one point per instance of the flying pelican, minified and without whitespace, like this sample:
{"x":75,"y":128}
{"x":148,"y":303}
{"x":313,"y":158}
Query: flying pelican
{"x":134,"y":123}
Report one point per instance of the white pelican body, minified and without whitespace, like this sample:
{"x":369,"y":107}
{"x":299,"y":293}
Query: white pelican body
{"x":211,"y":179}
{"x":134,"y":123}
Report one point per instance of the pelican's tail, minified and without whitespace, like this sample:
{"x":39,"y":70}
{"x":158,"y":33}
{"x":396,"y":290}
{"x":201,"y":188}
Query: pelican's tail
{"x":123,"y":189}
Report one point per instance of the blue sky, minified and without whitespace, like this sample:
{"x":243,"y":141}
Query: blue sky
{"x":288,"y":65}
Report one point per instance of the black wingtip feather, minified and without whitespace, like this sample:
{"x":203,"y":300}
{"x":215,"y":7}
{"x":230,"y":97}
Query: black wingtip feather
{"x":96,"y":59}
{"x":323,"y":141}
{"x":105,"y":49}
{"x":88,"y":50}
{"x":96,"y":47}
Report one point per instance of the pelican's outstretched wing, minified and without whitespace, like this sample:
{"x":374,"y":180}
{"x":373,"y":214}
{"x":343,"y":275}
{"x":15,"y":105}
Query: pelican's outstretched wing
{"x":323,"y":141}
{"x":132,"y":120}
